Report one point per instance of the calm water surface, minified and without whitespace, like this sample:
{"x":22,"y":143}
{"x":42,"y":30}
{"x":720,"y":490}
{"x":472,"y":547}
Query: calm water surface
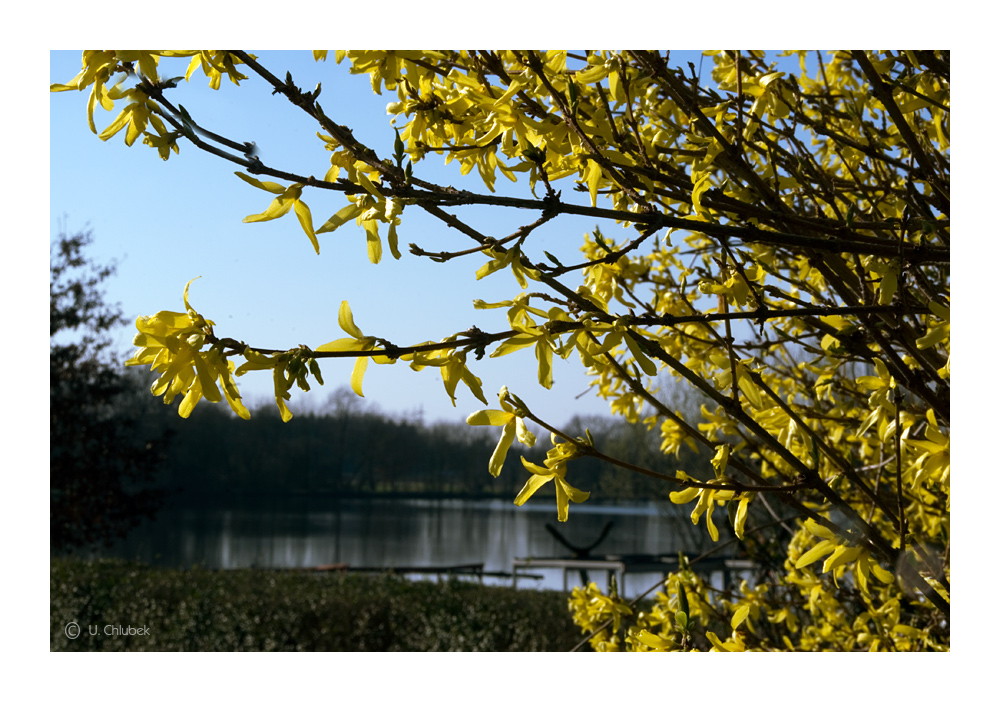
{"x":385,"y":533}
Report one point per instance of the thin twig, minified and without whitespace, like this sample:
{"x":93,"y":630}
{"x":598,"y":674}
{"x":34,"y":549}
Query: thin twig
{"x":705,"y":554}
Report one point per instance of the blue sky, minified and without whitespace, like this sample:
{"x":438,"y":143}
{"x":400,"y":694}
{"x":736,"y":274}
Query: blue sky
{"x":168,"y":222}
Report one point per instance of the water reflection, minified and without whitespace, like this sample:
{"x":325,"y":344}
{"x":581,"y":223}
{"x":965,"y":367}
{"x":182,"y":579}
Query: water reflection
{"x":384,"y":533}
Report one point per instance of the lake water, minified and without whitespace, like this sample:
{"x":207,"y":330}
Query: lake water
{"x":400,"y":533}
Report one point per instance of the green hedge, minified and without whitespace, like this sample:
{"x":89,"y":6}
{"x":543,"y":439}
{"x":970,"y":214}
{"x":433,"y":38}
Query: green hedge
{"x":254,"y":610}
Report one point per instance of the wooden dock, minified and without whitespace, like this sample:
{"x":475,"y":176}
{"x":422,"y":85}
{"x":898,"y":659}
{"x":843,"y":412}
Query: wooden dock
{"x":619,"y":565}
{"x":473,"y":570}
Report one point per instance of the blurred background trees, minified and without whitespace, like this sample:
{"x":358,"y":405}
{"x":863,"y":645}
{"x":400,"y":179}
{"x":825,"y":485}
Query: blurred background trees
{"x":103,"y":455}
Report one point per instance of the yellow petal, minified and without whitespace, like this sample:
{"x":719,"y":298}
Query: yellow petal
{"x":278,"y":208}
{"x":187,"y":304}
{"x":360,"y":366}
{"x":305,"y":219}
{"x":489,"y":417}
{"x":684,"y":496}
{"x":543,"y":352}
{"x":530,"y":487}
{"x":286,"y":414}
{"x":536,"y":469}
{"x":592,"y":174}
{"x":345,"y":213}
{"x":739,"y":616}
{"x":647,"y":366}
{"x":233,"y":398}
{"x":500,"y":452}
{"x":514,"y":343}
{"x":394,"y":242}
{"x":748,"y":387}
{"x":365,"y":183}
{"x":882,"y":574}
{"x":265,"y":185}
{"x":345,"y":318}
{"x":117,"y":125}
{"x":189,"y":401}
{"x":713,"y":530}
{"x":475,"y":385}
{"x":523,"y":435}
{"x":861,"y":570}
{"x":208,"y":387}
{"x":90,"y":110}
{"x":842,"y":555}
{"x":818,"y":530}
{"x":374,"y":242}
{"x":135,"y":127}
{"x":572,"y":492}
{"x":815,"y":553}
{"x":562,"y":502}
{"x":741,"y":517}
{"x":349,"y":344}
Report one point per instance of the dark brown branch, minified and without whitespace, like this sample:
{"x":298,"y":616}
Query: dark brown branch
{"x":884,"y":95}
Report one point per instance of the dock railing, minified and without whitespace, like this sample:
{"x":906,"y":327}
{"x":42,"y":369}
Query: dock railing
{"x":619,"y":565}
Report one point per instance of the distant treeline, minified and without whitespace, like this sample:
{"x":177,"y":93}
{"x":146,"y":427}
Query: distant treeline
{"x":346,"y":449}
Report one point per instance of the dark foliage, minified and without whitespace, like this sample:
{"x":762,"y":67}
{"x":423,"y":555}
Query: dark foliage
{"x":101,"y":465}
{"x":347,"y":449}
{"x":255,"y":610}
